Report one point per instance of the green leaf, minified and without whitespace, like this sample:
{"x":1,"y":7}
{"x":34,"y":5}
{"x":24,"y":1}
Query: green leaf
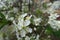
{"x":1,"y":15}
{"x":3,"y":23}
{"x":49,"y":29}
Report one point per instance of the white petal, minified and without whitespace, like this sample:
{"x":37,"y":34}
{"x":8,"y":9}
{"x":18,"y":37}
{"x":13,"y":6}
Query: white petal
{"x":29,"y":30}
{"x":23,"y":33}
{"x":37,"y":21}
{"x":23,"y":15}
{"x":27,"y":22}
{"x":27,"y":38}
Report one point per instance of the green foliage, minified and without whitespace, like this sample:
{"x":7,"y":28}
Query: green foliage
{"x":38,"y":11}
{"x":57,"y":33}
{"x":26,"y":9}
{"x":49,"y":30}
{"x":2,"y":16}
{"x":3,"y":21}
{"x":32,"y":39}
{"x":44,"y":5}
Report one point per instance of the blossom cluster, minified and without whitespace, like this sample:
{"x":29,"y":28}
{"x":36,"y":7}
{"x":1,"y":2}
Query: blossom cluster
{"x":25,"y":24}
{"x":53,"y":21}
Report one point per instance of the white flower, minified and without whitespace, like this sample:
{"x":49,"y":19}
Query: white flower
{"x":37,"y":21}
{"x":55,"y":24}
{"x":20,"y":23}
{"x":50,"y":10}
{"x":53,"y":16}
{"x":37,"y":37}
{"x":6,"y":16}
{"x":23,"y":33}
{"x":35,"y":29}
{"x":26,"y":23}
{"x":11,"y":18}
{"x":23,"y":23}
{"x":27,"y":1}
{"x":29,"y":30}
{"x":27,"y":38}
{"x":23,"y":15}
{"x":49,"y":4}
{"x":2,"y":4}
{"x":15,"y":10}
{"x":56,"y":5}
